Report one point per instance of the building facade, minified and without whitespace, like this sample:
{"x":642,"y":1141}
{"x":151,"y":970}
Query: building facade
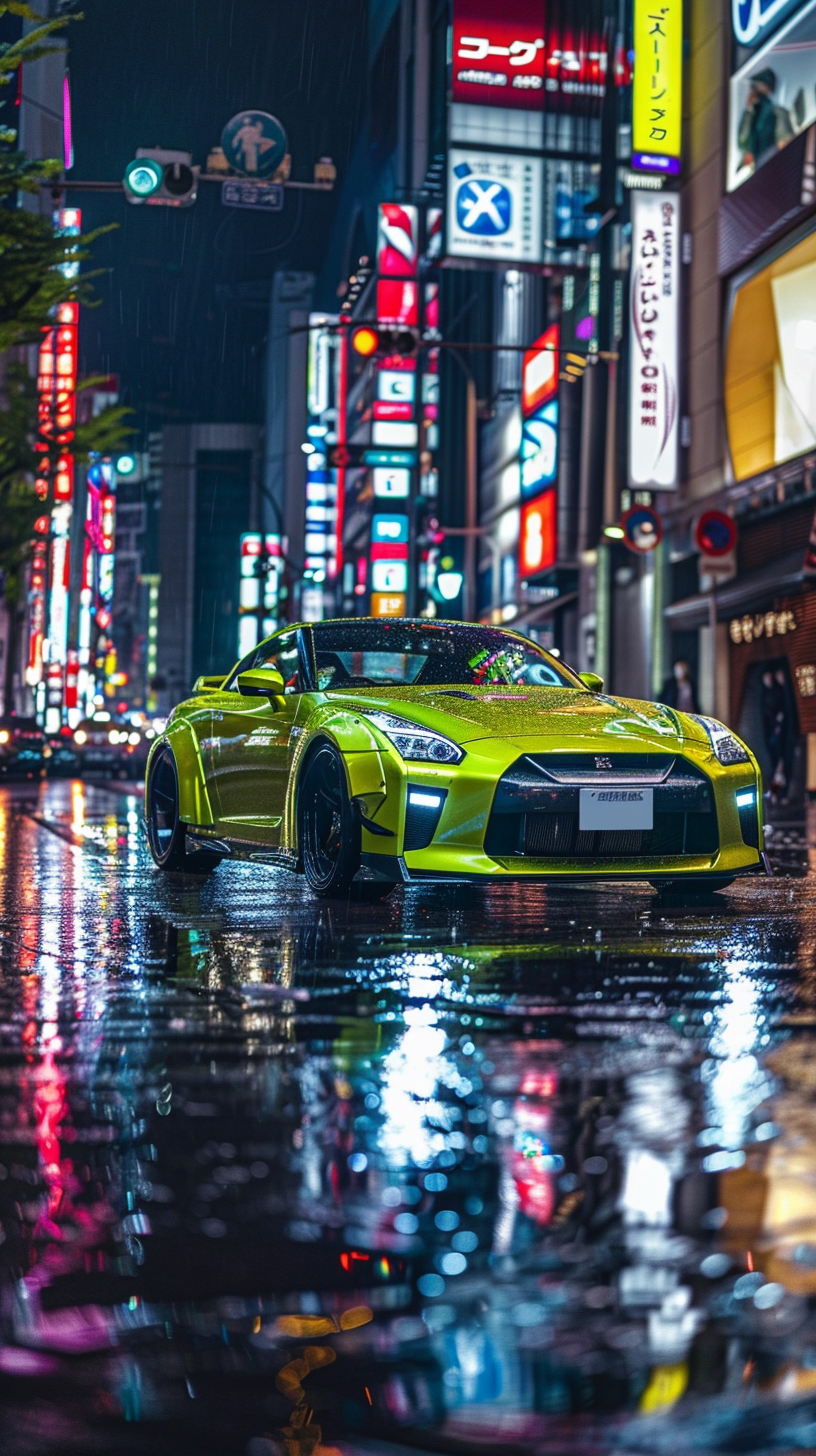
{"x":598,"y":222}
{"x":747,"y":621}
{"x":209,"y":502}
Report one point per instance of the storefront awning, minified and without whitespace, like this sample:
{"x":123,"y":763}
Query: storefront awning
{"x":755,"y":589}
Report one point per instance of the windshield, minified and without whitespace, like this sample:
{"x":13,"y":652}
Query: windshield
{"x":401,"y":654}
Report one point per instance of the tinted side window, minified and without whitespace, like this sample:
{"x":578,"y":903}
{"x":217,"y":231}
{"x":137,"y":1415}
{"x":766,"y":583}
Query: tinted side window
{"x":282,"y":655}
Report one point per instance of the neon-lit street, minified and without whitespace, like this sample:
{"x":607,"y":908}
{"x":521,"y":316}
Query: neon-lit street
{"x":555,"y":1146}
{"x":407,"y":728}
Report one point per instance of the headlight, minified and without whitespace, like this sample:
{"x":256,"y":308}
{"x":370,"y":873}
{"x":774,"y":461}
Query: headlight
{"x":134,"y":739}
{"x":727,"y":748}
{"x":4,"y":735}
{"x":413,"y":742}
{"x":80,"y":737}
{"x":113,"y":736}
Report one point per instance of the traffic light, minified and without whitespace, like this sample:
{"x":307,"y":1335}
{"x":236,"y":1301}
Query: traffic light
{"x":372,"y":341}
{"x":161,"y":177}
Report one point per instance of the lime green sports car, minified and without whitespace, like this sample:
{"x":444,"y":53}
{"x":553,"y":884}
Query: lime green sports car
{"x":368,"y":753}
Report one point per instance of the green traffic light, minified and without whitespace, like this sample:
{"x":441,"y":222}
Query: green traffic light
{"x":143,"y":177}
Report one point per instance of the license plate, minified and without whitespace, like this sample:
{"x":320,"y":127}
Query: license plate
{"x":610,"y":810}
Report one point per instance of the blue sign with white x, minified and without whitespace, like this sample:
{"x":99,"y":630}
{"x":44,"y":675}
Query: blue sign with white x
{"x":484,"y":207}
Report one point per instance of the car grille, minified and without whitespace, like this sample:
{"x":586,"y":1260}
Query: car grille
{"x":535,"y":810}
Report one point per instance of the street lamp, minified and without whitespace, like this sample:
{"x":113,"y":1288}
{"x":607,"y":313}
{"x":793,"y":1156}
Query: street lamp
{"x":449,"y":584}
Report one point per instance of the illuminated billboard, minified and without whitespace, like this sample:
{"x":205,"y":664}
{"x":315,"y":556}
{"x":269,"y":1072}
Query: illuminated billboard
{"x":498,"y":53}
{"x":772,"y":97}
{"x":397,"y":246}
{"x":494,"y":206}
{"x":527,"y":54}
{"x":657,"y":97}
{"x":751,"y":19}
{"x":538,"y":545}
{"x":770,"y":364}
{"x":539,"y":371}
{"x":539,"y":449}
{"x":397,"y":302}
{"x":654,"y":404}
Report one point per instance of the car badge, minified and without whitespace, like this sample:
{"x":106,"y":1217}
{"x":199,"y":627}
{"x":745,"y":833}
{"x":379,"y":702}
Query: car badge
{"x":604,"y":763}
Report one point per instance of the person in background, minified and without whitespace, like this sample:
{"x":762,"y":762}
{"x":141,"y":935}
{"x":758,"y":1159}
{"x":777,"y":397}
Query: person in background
{"x":680,"y":690}
{"x":788,"y":734}
{"x":772,"y":705}
{"x":764,"y":127}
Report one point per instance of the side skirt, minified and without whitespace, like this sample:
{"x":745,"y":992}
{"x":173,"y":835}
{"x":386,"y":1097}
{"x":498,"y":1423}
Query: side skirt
{"x":240,"y":849}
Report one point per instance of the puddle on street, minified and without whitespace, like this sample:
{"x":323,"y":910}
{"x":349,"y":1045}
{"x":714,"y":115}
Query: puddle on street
{"x":510,"y":1171}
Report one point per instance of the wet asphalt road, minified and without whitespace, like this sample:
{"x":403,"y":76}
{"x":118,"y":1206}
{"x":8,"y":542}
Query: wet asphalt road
{"x":505,"y":1171}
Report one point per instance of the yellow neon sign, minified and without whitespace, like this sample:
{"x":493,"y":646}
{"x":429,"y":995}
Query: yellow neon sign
{"x":657,"y":100}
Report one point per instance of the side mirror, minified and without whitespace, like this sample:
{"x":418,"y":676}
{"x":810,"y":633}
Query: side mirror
{"x":260,"y":682}
{"x":592,"y":681}
{"x":208,"y":684}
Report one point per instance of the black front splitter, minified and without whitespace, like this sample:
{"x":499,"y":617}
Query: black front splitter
{"x":393,"y":869}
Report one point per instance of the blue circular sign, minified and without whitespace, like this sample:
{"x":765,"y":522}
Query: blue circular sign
{"x":484,"y":207}
{"x":642,"y":529}
{"x":254,"y":143}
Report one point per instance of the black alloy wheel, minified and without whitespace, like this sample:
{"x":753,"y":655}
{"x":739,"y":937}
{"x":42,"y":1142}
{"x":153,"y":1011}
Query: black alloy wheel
{"x":329,"y":831}
{"x":166,"y":832}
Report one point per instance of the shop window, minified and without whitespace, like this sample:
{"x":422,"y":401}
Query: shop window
{"x":770,"y":370}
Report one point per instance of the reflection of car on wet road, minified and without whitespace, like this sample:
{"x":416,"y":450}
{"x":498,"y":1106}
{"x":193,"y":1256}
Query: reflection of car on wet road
{"x":401,"y":751}
{"x":22,"y":747}
{"x":109,"y":746}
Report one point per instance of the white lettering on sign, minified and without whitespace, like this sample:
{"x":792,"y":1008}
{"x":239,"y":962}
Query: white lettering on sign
{"x":654,"y":368}
{"x":762,"y":624}
{"x":750,"y":17}
{"x":519,"y":52}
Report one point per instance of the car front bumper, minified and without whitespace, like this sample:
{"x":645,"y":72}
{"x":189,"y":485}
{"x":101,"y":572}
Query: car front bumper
{"x":460,"y":846}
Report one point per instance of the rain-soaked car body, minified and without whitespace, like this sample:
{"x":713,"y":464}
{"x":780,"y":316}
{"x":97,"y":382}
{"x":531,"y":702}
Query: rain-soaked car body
{"x":372,"y":753}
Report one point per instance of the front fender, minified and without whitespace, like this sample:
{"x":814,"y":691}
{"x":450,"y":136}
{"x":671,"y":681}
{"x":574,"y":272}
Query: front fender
{"x":359,"y":753}
{"x":194,"y":801}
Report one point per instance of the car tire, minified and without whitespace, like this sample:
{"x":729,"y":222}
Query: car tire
{"x":328,"y":828}
{"x":166,"y":831}
{"x":692,"y":889}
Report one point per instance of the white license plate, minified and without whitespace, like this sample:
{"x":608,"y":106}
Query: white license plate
{"x":610,"y":810}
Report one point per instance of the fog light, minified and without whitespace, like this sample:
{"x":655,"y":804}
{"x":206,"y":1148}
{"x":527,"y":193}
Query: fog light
{"x":424,"y":801}
{"x":746,"y":799}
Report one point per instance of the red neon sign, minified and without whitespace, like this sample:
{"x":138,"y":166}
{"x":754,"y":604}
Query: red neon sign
{"x":537,"y":545}
{"x":397,"y":248}
{"x":397,"y":303}
{"x":512,"y":55}
{"x":539,"y":371}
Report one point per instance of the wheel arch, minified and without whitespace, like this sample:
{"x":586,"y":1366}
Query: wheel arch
{"x":194,"y":799}
{"x":359,"y":754}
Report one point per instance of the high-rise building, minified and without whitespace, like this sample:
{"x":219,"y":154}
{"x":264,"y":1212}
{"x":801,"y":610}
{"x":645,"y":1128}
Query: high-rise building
{"x":209,"y":500}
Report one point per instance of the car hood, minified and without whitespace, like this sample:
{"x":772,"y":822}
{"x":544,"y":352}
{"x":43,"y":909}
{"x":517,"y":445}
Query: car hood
{"x":469,"y":714}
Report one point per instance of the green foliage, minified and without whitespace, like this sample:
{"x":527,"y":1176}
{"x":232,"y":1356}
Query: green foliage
{"x":20,"y":459}
{"x":32,"y":284}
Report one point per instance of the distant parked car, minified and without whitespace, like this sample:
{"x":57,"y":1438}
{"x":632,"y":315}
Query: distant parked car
{"x":110,"y":746}
{"x":63,"y":755}
{"x":22,"y":747}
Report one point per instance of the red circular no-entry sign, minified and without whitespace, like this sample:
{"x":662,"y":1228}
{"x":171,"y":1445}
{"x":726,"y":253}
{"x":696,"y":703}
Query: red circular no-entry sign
{"x":715,"y":534}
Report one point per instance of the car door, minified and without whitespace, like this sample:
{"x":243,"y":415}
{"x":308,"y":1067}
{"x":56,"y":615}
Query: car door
{"x":252,"y":748}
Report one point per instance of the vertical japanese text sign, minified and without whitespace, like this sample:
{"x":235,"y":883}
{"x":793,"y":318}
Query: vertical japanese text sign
{"x":654,"y":349}
{"x":657,"y":102}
